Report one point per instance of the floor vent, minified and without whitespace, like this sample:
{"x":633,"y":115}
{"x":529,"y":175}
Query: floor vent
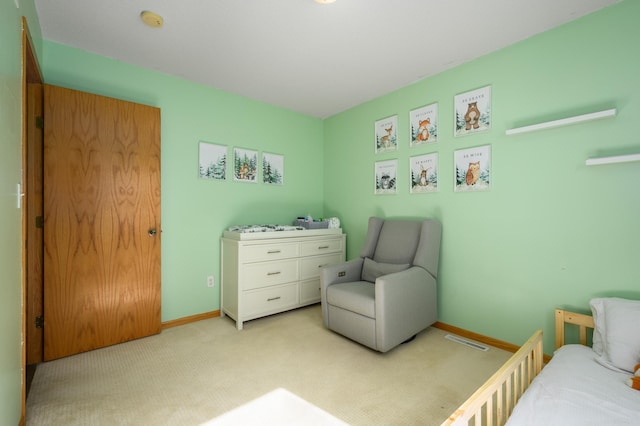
{"x":470,"y":343}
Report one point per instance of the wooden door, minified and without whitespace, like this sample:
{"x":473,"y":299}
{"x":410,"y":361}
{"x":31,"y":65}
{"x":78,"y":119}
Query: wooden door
{"x":101,"y":221}
{"x":34,"y":222}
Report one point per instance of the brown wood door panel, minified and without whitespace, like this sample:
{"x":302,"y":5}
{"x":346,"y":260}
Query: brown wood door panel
{"x":101,"y":197}
{"x":34,"y":261}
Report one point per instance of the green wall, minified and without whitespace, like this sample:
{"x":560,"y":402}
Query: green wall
{"x":551,"y":232}
{"x":195,"y":211}
{"x":10,"y":215}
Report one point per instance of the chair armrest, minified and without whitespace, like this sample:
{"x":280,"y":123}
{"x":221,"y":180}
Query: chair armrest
{"x":339,"y":273}
{"x":406,"y":303}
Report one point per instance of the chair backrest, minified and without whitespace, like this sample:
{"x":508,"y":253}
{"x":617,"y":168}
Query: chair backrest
{"x":416,"y":242}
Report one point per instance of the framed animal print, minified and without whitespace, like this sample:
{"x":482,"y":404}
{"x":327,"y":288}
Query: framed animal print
{"x":212,"y":161}
{"x":272,"y":168}
{"x":472,"y":169}
{"x":424,"y":173}
{"x":386,"y":173}
{"x":423,"y":125}
{"x":386,"y":131}
{"x":245,"y":165}
{"x":472,"y":112}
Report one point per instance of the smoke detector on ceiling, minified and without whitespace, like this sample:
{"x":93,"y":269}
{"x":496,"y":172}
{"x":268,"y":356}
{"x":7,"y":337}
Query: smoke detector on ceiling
{"x":151,"y":19}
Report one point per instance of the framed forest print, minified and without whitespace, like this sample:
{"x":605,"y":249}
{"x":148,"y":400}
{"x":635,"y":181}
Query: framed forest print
{"x":212,"y":161}
{"x":472,"y":169}
{"x":386,"y":131}
{"x":245,"y":165}
{"x":386,"y":173}
{"x":424,"y":173}
{"x":423,"y":125}
{"x":472,"y":112}
{"x":272,"y":168}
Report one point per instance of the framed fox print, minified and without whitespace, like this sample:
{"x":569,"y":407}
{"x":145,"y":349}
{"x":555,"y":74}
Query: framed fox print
{"x":423,"y":125}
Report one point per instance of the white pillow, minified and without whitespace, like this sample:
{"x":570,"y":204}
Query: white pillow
{"x":622,"y":332}
{"x":599,"y":330}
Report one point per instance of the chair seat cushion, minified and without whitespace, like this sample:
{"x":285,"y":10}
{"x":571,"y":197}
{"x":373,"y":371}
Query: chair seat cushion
{"x":357,"y":296}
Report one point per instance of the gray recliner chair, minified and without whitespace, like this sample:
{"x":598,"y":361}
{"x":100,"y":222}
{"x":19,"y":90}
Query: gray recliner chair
{"x":387,"y":295}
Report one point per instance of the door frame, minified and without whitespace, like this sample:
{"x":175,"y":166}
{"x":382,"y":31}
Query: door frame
{"x":30,"y":74}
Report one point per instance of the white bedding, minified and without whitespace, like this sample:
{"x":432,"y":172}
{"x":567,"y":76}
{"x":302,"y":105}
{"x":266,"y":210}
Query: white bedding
{"x":573,"y":389}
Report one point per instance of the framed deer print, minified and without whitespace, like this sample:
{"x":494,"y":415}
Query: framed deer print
{"x":212,"y":161}
{"x":472,"y":112}
{"x":386,"y":174}
{"x":424,"y":173}
{"x":245,"y":165}
{"x":472,"y":169}
{"x":423,"y":125}
{"x":386,"y":131}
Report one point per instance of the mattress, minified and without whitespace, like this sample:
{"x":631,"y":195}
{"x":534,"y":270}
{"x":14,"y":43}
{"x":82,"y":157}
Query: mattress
{"x":574,"y":389}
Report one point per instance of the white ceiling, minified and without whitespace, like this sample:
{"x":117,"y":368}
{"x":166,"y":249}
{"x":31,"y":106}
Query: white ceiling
{"x":297,"y":54}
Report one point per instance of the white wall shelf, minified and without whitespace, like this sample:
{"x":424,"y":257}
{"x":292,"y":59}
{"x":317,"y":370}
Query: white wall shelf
{"x":613,"y":159}
{"x":563,"y":122}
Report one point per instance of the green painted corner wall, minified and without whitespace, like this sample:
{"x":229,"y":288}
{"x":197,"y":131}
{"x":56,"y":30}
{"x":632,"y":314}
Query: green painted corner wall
{"x":551,"y":232}
{"x":196,"y":211}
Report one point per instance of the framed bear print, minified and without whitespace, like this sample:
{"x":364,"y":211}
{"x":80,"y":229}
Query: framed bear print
{"x":472,"y":169}
{"x":472,"y":112}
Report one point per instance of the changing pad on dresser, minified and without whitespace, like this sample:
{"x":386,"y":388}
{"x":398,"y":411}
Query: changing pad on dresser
{"x":264,"y":228}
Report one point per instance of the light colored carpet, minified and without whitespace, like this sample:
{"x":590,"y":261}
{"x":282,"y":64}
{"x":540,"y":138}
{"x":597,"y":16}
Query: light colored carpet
{"x":191,"y":374}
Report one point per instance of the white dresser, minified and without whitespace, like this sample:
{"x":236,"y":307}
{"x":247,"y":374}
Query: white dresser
{"x":264,"y":273}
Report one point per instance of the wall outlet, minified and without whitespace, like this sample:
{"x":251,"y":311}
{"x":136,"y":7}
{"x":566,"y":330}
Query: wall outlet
{"x":210,"y":281}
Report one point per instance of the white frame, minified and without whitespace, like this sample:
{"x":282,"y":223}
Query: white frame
{"x":386,"y":171}
{"x":276,"y":163}
{"x":422,"y":135}
{"x":209,"y":157}
{"x":463,"y":159}
{"x":252,"y":156}
{"x":482,"y":98}
{"x":386,"y":134}
{"x":421,"y":165}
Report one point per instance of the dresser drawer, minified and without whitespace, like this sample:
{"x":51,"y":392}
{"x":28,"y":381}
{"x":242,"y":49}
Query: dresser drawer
{"x":310,"y":291}
{"x":310,"y":266}
{"x":272,"y":299}
{"x":264,"y":274}
{"x":312,"y":248}
{"x":265,"y":252}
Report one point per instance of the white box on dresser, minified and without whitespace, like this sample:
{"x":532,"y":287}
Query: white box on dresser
{"x":264,"y":273}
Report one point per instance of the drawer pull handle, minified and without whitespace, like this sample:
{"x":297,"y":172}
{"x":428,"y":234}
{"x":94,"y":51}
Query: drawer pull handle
{"x":274,"y":273}
{"x":320,"y":266}
{"x":274,"y":251}
{"x":323,"y":247}
{"x":271,"y":299}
